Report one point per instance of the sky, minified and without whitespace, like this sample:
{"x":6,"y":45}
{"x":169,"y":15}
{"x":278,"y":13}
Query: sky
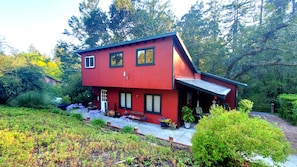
{"x":41,"y":22}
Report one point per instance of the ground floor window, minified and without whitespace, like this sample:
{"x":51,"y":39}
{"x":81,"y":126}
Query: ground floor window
{"x":153,"y":103}
{"x":126,"y":100}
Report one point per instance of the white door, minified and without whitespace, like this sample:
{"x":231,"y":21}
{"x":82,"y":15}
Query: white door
{"x":104,"y":103}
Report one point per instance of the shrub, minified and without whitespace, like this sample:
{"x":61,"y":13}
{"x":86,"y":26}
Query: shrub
{"x":245,"y":105}
{"x":127,"y":129}
{"x":227,"y":138}
{"x":31,"y":99}
{"x":98,"y":123}
{"x":77,"y":116}
{"x":288,"y":107}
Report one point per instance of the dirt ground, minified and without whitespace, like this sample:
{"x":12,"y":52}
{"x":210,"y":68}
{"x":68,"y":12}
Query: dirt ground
{"x":289,"y":130}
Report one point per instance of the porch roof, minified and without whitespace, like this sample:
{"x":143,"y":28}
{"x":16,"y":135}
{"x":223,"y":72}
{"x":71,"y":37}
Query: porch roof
{"x":204,"y":86}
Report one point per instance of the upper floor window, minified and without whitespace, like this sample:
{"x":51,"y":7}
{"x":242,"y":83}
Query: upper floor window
{"x":145,"y":56}
{"x":89,"y":62}
{"x":153,"y":103}
{"x":116,"y":59}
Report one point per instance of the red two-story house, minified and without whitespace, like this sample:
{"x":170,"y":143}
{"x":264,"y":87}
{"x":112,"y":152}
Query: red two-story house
{"x":154,"y":75}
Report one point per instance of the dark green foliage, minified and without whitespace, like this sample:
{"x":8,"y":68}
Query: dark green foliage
{"x":57,"y":111}
{"x":127,"y":129}
{"x":70,"y":61}
{"x":288,"y":107}
{"x":32,"y":99}
{"x":98,"y":123}
{"x":187,"y":114}
{"x":20,"y":80}
{"x":225,"y":138}
{"x":75,"y":90}
{"x":77,"y":116}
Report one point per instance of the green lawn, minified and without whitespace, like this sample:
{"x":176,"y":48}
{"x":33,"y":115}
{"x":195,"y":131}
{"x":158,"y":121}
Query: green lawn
{"x":30,"y":137}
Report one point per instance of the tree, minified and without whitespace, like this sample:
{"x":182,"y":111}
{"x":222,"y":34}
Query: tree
{"x":201,"y":36}
{"x":70,"y":61}
{"x":91,"y":27}
{"x":74,"y":89}
{"x":120,"y":22}
{"x":20,"y":80}
{"x":152,"y":17}
{"x":238,"y":12}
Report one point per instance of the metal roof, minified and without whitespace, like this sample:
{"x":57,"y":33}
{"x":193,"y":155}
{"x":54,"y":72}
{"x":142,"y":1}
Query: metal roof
{"x":128,"y":42}
{"x":224,"y":79}
{"x":204,"y":86}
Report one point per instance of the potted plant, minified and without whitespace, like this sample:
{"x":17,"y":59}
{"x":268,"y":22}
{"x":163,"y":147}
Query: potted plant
{"x":164,"y":122}
{"x":187,"y":116}
{"x":172,"y":125}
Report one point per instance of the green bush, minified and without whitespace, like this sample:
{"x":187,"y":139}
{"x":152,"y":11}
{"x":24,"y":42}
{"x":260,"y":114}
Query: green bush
{"x":288,"y":107}
{"x":245,"y":105}
{"x":77,"y":116}
{"x":127,"y":129}
{"x":226,"y":138}
{"x":31,"y":99}
{"x":98,"y":123}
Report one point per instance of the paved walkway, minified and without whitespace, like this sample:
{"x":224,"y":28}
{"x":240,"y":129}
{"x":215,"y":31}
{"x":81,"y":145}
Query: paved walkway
{"x":181,"y":135}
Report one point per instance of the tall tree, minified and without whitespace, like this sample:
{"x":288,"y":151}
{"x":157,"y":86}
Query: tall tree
{"x":91,"y":27}
{"x":238,"y":12}
{"x":202,"y":37}
{"x":152,"y":17}
{"x":120,"y":22}
{"x":70,"y":61}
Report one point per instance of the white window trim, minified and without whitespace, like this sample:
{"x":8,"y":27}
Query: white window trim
{"x":89,"y":62}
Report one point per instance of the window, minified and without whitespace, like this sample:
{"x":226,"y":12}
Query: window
{"x":126,"y":100}
{"x":153,"y":103}
{"x":89,"y":62}
{"x":145,"y":56}
{"x":116,"y":59}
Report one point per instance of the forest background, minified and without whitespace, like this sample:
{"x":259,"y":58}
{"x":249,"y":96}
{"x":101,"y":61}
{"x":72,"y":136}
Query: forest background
{"x":250,"y":41}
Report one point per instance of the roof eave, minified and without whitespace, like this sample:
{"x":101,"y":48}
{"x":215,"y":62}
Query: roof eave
{"x":224,"y":79}
{"x":127,"y":42}
{"x":222,"y":96}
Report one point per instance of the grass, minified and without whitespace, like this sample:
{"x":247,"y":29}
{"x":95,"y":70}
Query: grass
{"x":31,"y":137}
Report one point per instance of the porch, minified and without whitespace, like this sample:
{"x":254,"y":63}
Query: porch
{"x":200,"y":95}
{"x":181,"y":135}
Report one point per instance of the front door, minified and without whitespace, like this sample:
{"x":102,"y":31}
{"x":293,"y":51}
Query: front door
{"x":104,"y":104}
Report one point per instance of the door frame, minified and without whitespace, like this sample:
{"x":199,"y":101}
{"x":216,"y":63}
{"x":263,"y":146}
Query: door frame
{"x":104,"y":100}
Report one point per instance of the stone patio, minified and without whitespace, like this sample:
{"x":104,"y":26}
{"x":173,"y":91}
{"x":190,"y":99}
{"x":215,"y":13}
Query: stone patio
{"x":180,"y":136}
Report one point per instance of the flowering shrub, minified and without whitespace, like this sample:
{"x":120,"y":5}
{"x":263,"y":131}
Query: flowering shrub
{"x":165,"y":120}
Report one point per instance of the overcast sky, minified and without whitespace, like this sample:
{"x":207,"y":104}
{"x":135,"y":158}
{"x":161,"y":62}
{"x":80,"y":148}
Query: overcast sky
{"x":41,"y":22}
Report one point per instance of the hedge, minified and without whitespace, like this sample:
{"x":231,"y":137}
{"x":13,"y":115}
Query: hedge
{"x":288,"y":107}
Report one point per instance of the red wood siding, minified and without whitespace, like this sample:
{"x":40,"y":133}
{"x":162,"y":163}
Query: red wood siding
{"x":169,"y":102}
{"x":157,"y":76}
{"x":231,"y":97}
{"x":181,"y":69}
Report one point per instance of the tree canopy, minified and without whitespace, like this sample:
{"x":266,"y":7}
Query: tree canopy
{"x":244,"y":40}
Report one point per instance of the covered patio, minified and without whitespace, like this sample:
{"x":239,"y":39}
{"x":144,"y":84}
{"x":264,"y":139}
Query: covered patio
{"x":200,"y":95}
